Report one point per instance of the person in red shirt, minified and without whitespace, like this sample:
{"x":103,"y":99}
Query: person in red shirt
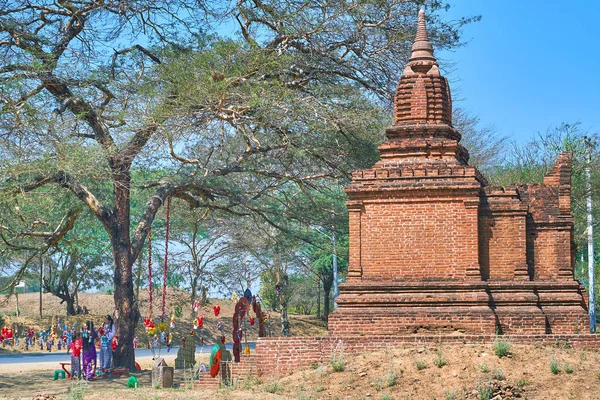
{"x":76,"y":346}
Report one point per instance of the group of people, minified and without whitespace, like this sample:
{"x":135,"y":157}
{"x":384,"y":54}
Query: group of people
{"x":83,"y":349}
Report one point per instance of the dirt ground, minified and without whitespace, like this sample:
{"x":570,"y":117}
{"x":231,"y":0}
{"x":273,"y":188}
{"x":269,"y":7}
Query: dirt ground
{"x":410,"y":372}
{"x":102,"y":304}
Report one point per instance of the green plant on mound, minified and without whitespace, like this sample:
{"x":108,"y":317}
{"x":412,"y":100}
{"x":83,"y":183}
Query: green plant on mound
{"x":392,"y":379}
{"x":484,"y":393}
{"x":568,"y":368}
{"x":483,"y":367}
{"x":554,"y":366}
{"x":502,"y":348}
{"x":386,"y":396}
{"x":440,"y":361}
{"x":498,"y":374}
{"x":420,"y":364}
{"x":273,"y":387}
{"x":78,"y":390}
{"x":337,"y":363}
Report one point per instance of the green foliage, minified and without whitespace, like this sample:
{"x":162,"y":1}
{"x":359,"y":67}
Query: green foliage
{"x":420,"y":364}
{"x":484,"y":392}
{"x":554,"y":366}
{"x":502,"y":348}
{"x":274,"y":387}
{"x":568,"y":368}
{"x":387,"y":396}
{"x":498,"y":374}
{"x":178,"y":311}
{"x":78,"y":390}
{"x":2,"y":321}
{"x":452,"y":394}
{"x":439,"y":360}
{"x":483,"y":367}
{"x":521,"y":383}
{"x":392,"y":379}
{"x":337,"y":363}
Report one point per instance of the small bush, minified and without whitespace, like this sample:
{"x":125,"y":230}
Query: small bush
{"x":451,"y":394}
{"x":1,"y":321}
{"x":521,"y":383}
{"x":386,"y":396}
{"x":484,"y":393}
{"x":78,"y":390}
{"x":319,"y":388}
{"x":379,"y":384}
{"x":422,"y":364}
{"x":484,"y":368}
{"x":554,"y":367}
{"x":498,"y":375}
{"x":598,"y":375}
{"x":392,"y":379}
{"x":502,"y":348}
{"x":337,"y":363}
{"x":440,"y":361}
{"x":314,"y":365}
{"x":568,"y":368}
{"x":178,"y":311}
{"x":273,"y":387}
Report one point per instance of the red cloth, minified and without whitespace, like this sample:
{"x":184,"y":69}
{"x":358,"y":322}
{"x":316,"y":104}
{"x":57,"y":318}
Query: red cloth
{"x":76,"y":346}
{"x":216,"y":365}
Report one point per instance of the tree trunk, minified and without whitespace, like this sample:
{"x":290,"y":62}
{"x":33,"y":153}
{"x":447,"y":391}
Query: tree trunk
{"x":125,"y":304}
{"x":194,"y":288}
{"x":326,"y":298}
{"x":70,"y":300}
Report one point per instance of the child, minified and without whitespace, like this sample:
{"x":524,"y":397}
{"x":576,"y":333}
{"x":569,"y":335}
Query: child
{"x":75,"y":348}
{"x":106,"y":337}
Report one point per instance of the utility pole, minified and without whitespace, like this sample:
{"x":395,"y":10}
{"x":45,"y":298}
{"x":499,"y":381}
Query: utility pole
{"x":336,"y":291}
{"x":41,"y":282}
{"x":590,"y":230}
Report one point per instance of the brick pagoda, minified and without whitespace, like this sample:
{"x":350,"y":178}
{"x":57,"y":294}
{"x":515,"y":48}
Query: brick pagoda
{"x":435,"y":249}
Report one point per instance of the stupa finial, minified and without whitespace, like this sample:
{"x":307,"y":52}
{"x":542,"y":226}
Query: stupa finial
{"x":422,"y":59}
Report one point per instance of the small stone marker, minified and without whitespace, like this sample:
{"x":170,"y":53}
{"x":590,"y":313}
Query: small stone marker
{"x":162,"y":374}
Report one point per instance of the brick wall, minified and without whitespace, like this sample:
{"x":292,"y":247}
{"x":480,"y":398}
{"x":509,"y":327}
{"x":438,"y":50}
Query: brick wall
{"x":277,"y":356}
{"x":418,"y":239}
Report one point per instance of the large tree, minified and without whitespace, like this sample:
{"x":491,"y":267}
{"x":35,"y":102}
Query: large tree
{"x":93,"y":89}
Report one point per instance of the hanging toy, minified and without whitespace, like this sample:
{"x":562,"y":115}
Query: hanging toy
{"x":247,"y":350}
{"x":278,"y":289}
{"x":200,"y":321}
{"x":234,"y":297}
{"x":148,"y":323}
{"x":217,"y":310}
{"x":251,"y":321}
{"x":220,"y":326}
{"x":196,"y":305}
{"x":172,"y":325}
{"x":248,"y":295}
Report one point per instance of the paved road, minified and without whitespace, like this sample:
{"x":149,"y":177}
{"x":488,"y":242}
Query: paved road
{"x":28,"y":358}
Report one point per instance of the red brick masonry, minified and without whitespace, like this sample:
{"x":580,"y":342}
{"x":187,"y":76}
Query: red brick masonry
{"x":278,"y":356}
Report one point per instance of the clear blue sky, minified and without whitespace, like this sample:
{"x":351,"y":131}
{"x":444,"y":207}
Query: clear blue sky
{"x":528,"y":64}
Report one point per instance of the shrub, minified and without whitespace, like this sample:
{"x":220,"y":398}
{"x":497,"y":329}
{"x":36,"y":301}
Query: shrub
{"x":1,"y":320}
{"x":440,"y":361}
{"x":484,"y":393}
{"x":391,"y":379}
{"x":450,"y":394}
{"x":386,"y":396}
{"x":319,"y":388}
{"x":568,"y":368}
{"x":554,"y":367}
{"x":521,"y":383}
{"x":498,"y":374}
{"x":422,"y":364}
{"x":502,"y":348}
{"x":337,"y":363}
{"x":484,"y":368}
{"x":273,"y":387}
{"x":314,"y":365}
{"x":78,"y":390}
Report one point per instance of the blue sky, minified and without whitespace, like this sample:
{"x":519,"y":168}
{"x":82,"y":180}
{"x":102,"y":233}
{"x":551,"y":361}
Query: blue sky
{"x":528,"y":64}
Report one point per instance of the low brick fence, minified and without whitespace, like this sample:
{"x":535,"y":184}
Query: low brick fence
{"x":276,"y":356}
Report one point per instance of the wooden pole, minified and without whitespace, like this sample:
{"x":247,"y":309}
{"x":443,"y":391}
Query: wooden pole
{"x":41,"y":283}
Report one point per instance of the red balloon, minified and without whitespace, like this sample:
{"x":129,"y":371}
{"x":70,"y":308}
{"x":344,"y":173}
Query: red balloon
{"x":217,"y":310}
{"x":200,"y":321}
{"x":251,"y":321}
